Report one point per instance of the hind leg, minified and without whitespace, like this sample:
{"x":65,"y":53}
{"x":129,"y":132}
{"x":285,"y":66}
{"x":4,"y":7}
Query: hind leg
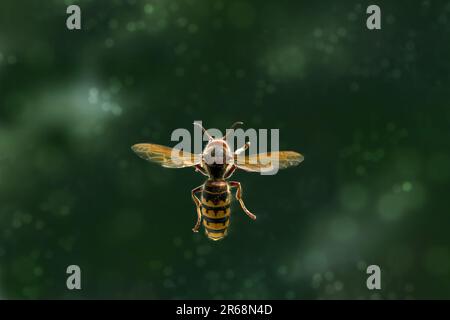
{"x":198,"y":205}
{"x":239,"y":198}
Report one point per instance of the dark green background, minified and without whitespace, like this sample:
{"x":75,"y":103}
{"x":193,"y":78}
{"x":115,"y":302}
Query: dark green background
{"x":368,"y":109}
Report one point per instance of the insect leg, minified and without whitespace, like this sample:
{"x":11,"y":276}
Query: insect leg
{"x":198,"y":205}
{"x":242,"y":149}
{"x":239,"y":198}
{"x":199,"y":168}
{"x":229,"y":172}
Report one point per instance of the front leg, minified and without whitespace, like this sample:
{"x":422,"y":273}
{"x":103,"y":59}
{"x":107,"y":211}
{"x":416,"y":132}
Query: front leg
{"x":229,"y":171}
{"x":198,"y":204}
{"x":199,"y":168}
{"x":239,"y":198}
{"x":242,"y":149}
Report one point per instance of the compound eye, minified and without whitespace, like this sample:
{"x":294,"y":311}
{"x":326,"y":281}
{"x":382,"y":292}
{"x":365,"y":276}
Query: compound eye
{"x":210,"y":156}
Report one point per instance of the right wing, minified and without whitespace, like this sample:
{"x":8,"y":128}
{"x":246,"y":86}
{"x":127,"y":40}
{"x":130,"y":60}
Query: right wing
{"x":165,"y":156}
{"x":264,"y":161}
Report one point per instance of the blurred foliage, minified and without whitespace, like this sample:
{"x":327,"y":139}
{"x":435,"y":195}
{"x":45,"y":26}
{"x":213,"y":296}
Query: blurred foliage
{"x":369,"y":110}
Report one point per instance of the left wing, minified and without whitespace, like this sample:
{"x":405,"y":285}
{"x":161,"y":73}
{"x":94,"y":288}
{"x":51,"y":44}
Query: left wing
{"x":265,"y":161}
{"x":165,"y":156}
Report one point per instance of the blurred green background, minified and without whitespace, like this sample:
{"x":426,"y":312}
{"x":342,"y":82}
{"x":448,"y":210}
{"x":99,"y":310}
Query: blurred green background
{"x":368,"y":109}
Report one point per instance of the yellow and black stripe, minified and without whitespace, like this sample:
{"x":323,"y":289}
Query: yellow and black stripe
{"x":216,"y":209}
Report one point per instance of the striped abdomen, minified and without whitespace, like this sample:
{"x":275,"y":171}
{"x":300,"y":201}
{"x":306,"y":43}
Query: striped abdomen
{"x":216,"y":208}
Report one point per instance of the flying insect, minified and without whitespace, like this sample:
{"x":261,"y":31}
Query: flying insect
{"x":218,"y":162}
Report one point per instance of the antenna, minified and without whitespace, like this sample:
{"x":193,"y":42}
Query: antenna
{"x":203,"y":130}
{"x":233,"y":126}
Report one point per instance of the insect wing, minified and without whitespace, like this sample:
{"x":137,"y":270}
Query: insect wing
{"x":266,"y":161}
{"x":165,"y":156}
